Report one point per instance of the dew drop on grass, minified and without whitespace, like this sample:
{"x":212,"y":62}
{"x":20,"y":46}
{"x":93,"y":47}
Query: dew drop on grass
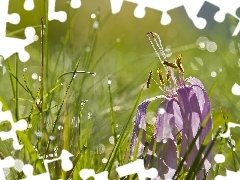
{"x":75,"y":4}
{"x":52,"y":138}
{"x":29,"y":125}
{"x":95,"y":24}
{"x":87,"y":49}
{"x":111,"y":140}
{"x":213,"y":74}
{"x":201,"y":42}
{"x":24,"y":69}
{"x":236,"y":89}
{"x":60,"y":127}
{"x":38,"y":133}
{"x":93,"y":16}
{"x":34,"y":76}
{"x":109,"y":82}
{"x":211,"y":46}
{"x":104,"y":160}
{"x":38,"y":101}
{"x":219,"y":158}
{"x":89,"y":115}
{"x":35,"y":37}
{"x":118,"y":40}
{"x":28,"y":5}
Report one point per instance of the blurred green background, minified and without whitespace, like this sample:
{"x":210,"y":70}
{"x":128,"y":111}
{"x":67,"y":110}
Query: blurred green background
{"x":122,"y":53}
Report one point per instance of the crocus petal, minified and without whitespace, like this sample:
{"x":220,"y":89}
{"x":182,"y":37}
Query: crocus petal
{"x":195,"y":107}
{"x":164,"y":136}
{"x":140,"y":124}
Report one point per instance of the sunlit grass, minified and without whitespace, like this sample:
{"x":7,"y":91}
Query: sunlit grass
{"x":80,"y":112}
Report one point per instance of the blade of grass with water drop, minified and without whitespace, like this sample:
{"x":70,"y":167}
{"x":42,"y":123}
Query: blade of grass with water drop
{"x":122,"y":136}
{"x":196,"y":166}
{"x":180,"y":166}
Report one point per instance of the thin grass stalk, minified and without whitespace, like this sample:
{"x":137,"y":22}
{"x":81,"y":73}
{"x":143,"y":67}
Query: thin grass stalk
{"x":123,"y":135}
{"x":61,"y":105}
{"x":112,"y":120}
{"x":16,"y":90}
{"x":175,"y":176}
{"x":196,"y":166}
{"x":66,"y":134}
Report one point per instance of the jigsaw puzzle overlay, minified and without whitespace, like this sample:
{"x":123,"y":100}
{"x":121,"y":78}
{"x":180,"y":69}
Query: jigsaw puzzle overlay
{"x":10,"y":45}
{"x":192,"y":8}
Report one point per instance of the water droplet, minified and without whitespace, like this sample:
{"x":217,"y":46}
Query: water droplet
{"x":35,"y":37}
{"x":29,"y":125}
{"x":52,"y":138}
{"x":161,"y":111}
{"x":220,"y":69}
{"x":75,"y":4}
{"x":39,"y":78}
{"x":24,"y":69}
{"x":164,"y":140}
{"x":34,"y":76}
{"x":201,"y":42}
{"x":118,"y":40}
{"x":60,"y":127}
{"x":236,"y":89}
{"x":89,"y":115}
{"x":219,"y":158}
{"x":93,"y":16}
{"x":38,"y":101}
{"x":211,"y":46}
{"x":28,"y":5}
{"x":109,"y":82}
{"x":95,"y":24}
{"x":104,"y":160}
{"x":87,"y":49}
{"x":94,"y":74}
{"x":38,"y":134}
{"x":111,"y":140}
{"x":116,"y":125}
{"x":213,"y":74}
{"x":234,"y":149}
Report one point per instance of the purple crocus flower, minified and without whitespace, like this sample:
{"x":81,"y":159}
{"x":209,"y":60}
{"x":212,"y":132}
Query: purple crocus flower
{"x":185,"y":105}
